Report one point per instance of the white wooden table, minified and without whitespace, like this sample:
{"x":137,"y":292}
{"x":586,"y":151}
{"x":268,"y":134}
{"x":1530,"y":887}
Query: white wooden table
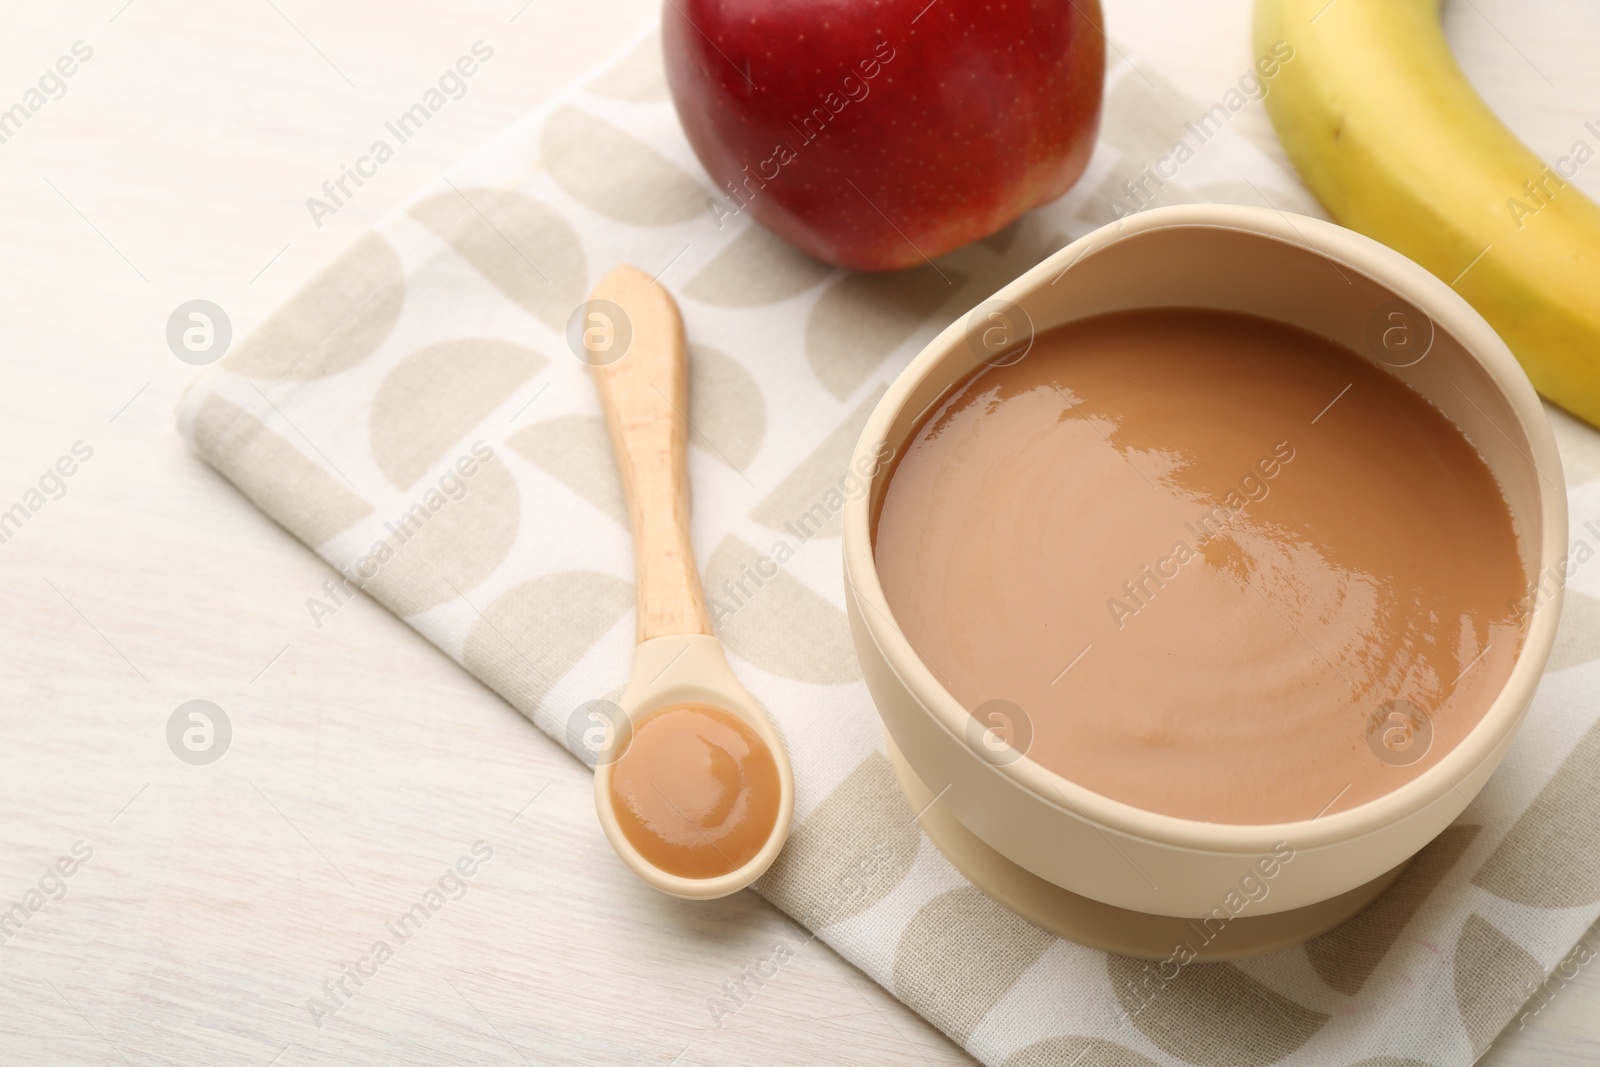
{"x":219,"y":898}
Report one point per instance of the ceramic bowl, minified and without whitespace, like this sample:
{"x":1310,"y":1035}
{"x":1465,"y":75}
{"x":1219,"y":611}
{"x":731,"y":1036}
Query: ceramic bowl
{"x":1292,"y":269}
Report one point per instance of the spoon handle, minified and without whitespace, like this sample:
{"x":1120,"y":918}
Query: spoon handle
{"x":645,"y":395}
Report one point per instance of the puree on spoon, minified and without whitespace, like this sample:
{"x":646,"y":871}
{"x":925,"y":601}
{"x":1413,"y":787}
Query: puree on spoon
{"x":696,"y":791}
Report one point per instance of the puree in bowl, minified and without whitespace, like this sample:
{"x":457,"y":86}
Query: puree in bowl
{"x":1207,"y":564}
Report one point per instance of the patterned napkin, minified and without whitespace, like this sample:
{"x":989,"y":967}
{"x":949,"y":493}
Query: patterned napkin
{"x":415,"y":415}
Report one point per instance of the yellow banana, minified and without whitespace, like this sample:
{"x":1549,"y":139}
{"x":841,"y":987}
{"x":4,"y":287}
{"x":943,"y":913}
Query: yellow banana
{"x":1395,"y":142}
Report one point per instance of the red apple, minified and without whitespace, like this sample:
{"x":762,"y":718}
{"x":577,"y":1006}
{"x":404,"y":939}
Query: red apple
{"x":877,"y":134}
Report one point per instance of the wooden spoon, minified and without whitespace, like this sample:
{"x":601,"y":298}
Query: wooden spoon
{"x":694,"y":789}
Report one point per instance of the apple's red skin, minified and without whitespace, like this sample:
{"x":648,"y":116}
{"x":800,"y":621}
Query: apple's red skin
{"x":975,"y":111}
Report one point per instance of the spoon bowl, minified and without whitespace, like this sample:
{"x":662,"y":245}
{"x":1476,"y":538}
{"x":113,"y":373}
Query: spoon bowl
{"x":633,"y":338}
{"x":690,"y":669}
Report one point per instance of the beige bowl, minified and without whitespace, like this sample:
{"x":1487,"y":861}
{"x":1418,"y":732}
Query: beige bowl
{"x":1296,"y":270}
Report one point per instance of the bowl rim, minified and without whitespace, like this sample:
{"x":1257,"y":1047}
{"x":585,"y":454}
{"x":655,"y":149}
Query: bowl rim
{"x":1386,"y":268}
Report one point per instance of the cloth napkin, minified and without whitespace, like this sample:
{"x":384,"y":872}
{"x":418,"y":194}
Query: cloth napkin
{"x":417,"y":416}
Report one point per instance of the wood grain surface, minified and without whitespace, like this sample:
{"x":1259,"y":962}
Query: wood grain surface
{"x":221,"y":899}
